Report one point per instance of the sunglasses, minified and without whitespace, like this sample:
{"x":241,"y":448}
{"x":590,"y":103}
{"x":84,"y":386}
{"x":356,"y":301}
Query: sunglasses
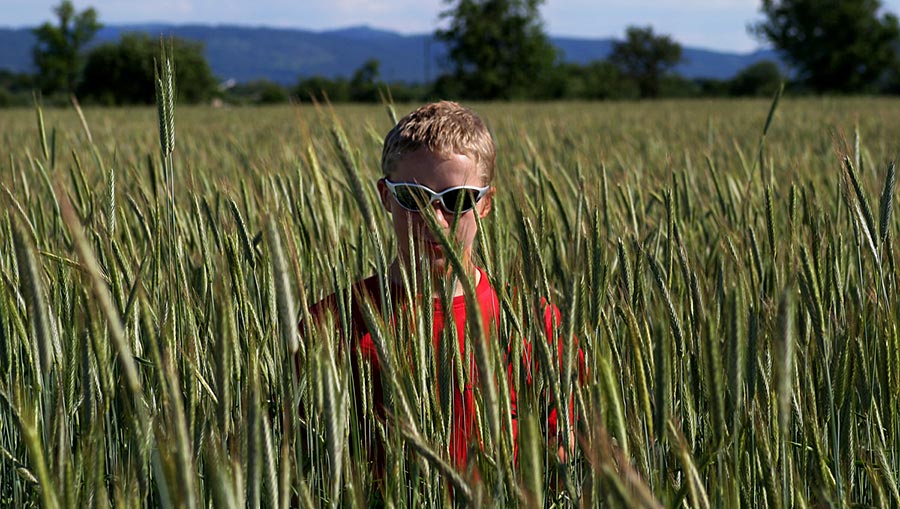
{"x":457,"y":200}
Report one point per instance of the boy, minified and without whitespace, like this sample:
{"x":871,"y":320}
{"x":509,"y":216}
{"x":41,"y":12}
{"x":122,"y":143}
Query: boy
{"x":440,"y":156}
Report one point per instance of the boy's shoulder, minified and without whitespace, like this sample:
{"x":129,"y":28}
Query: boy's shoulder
{"x":344,"y":304}
{"x":363,"y":289}
{"x":373,"y":289}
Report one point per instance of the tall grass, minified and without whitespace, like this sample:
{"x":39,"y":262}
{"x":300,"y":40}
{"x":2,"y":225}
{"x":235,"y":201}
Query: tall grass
{"x":728,"y":272}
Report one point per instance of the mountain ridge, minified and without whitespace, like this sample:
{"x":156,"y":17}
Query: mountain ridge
{"x":284,"y":55}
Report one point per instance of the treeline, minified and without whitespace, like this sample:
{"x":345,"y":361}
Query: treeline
{"x":599,"y":80}
{"x":497,"y":50}
{"x":121,"y":73}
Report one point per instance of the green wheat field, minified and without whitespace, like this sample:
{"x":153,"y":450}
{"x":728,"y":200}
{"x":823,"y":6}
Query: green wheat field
{"x":728,"y":270}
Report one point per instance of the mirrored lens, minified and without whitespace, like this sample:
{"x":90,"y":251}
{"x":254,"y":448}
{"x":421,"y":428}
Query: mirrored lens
{"x":411,"y":197}
{"x":460,"y":200}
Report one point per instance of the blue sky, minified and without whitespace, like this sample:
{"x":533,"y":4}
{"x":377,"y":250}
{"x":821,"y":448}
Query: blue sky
{"x":713,"y":24}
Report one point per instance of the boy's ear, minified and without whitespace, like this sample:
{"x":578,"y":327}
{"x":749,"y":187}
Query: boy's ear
{"x":486,"y":202}
{"x":385,"y":194}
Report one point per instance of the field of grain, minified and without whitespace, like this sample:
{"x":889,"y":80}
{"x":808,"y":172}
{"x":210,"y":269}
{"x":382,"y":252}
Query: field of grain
{"x":730,"y":277}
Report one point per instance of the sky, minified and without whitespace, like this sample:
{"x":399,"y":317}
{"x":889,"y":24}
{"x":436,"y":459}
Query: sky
{"x":712,"y":24}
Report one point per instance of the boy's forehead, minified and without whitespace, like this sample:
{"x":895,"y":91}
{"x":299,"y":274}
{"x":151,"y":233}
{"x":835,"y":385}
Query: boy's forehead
{"x":425,"y":162}
{"x":426,"y":158}
{"x":397,"y":151}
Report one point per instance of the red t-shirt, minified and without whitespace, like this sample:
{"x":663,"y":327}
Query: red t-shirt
{"x":463,"y":432}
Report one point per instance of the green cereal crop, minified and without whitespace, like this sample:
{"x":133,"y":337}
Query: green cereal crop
{"x":727,"y":268}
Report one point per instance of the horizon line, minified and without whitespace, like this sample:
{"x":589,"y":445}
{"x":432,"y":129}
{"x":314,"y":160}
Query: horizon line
{"x":233,"y":24}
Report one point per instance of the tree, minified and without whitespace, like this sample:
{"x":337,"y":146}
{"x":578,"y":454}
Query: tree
{"x":713,"y":87}
{"x":122,"y":72}
{"x":761,"y":78}
{"x":363,"y":84}
{"x":271,"y":93}
{"x":260,"y":91}
{"x":677,"y":86}
{"x":15,"y":89}
{"x":497,"y":48}
{"x":57,"y":53}
{"x":595,"y":80}
{"x":320,"y":88}
{"x":645,"y":57}
{"x":844,"y":46}
{"x":257,"y":92}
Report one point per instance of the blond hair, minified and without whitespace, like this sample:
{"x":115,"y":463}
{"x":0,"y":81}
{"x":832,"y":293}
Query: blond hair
{"x":444,"y":128}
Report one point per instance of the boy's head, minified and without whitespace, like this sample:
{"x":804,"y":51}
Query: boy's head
{"x":442,"y":152}
{"x":444,"y":128}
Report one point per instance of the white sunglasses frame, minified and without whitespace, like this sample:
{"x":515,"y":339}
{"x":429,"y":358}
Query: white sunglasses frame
{"x":435,"y":196}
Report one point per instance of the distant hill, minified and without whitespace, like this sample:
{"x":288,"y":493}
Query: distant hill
{"x":284,"y":55}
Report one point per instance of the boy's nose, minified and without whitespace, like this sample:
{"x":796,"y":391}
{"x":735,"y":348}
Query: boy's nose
{"x":440,"y":214}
